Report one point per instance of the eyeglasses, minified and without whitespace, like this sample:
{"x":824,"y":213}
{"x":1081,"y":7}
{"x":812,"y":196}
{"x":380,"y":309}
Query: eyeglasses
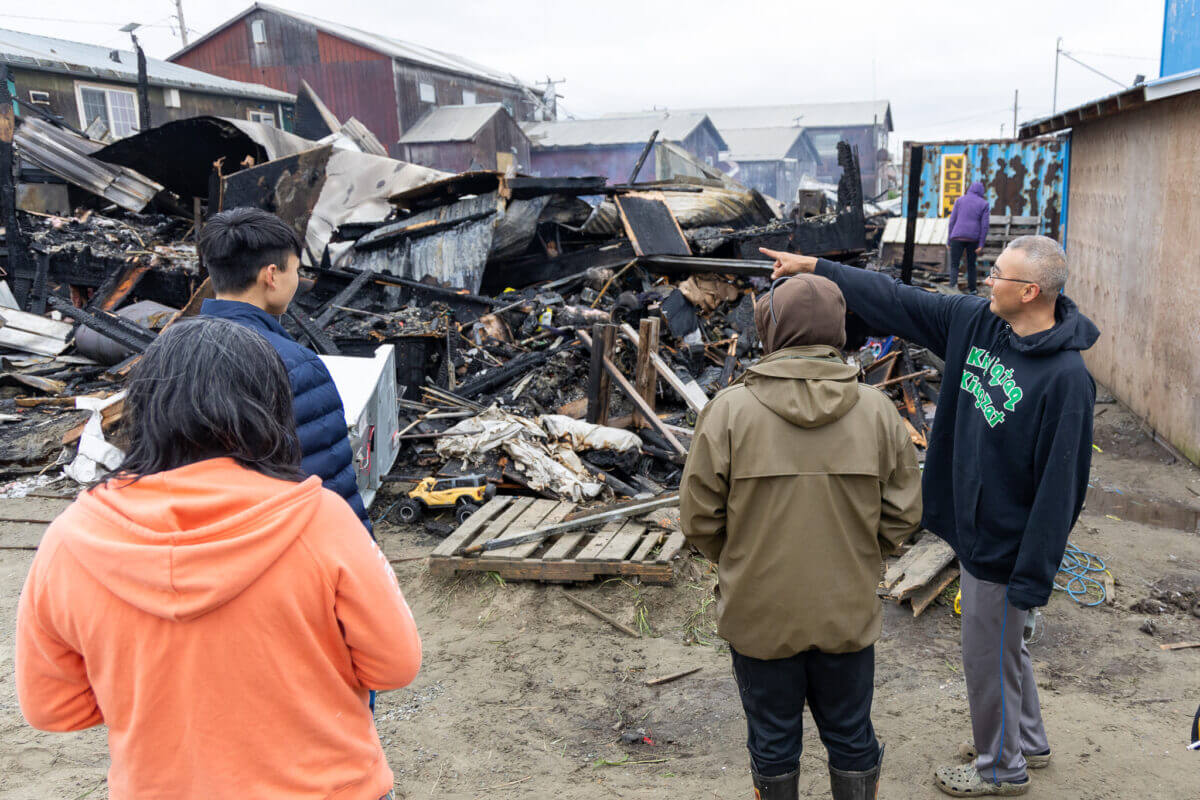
{"x":994,"y":274}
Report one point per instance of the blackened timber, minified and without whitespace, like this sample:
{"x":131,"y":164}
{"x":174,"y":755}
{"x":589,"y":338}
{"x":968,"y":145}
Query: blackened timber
{"x":450,"y":296}
{"x":689,"y":265}
{"x":40,"y":288}
{"x":143,"y":88}
{"x":320,"y":342}
{"x":501,"y":375}
{"x":916,"y":155}
{"x":124,"y":332}
{"x":19,"y":262}
{"x":527,"y":270}
{"x":326,"y":313}
{"x":642,"y":157}
{"x":117,"y":286}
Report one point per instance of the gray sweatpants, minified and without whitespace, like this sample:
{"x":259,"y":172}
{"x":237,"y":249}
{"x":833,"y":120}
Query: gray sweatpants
{"x":1006,"y":718}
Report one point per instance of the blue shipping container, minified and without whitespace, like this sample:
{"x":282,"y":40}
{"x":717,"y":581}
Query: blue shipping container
{"x":1181,"y":37}
{"x":1022,"y":178}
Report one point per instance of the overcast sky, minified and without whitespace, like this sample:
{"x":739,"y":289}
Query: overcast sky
{"x":949,"y":69}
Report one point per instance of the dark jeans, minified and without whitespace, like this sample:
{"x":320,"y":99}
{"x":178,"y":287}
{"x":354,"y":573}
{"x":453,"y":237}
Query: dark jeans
{"x":838,"y":687}
{"x":957,"y":248}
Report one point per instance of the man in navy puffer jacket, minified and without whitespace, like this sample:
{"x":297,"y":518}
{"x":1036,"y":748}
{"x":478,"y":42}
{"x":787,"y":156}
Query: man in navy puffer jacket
{"x":253,"y":260}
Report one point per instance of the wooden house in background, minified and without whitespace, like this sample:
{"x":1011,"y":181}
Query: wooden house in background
{"x":610,"y":146}
{"x":466,"y":139}
{"x":386,"y":83}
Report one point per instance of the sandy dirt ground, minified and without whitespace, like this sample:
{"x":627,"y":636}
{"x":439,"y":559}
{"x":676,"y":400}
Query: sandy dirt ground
{"x":523,"y":695}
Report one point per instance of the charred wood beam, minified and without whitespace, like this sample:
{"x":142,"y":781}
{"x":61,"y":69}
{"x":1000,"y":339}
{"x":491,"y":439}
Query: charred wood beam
{"x":122,"y":331}
{"x":40,"y":288}
{"x":19,"y":261}
{"x":655,"y":423}
{"x":422,"y":290}
{"x":501,"y":375}
{"x":143,"y":87}
{"x":916,"y":156}
{"x":117,"y":286}
{"x":326,"y":313}
{"x":642,"y":157}
{"x":320,"y":342}
{"x":647,"y":374}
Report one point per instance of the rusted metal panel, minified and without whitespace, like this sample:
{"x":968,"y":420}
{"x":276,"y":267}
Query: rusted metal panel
{"x":1022,"y":178}
{"x":69,"y":157}
{"x":1131,"y":245}
{"x":332,"y":49}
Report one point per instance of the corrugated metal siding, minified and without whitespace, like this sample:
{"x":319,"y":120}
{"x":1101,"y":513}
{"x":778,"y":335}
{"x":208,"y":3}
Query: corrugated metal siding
{"x":1134,"y":233}
{"x":1022,"y":178}
{"x":332,"y":50}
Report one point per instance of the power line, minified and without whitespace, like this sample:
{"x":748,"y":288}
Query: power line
{"x":76,"y":21}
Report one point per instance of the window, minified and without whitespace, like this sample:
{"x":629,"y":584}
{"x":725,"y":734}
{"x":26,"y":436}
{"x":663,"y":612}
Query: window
{"x":428,"y":93}
{"x":258,"y":31}
{"x":116,"y":108}
{"x":264,"y":117}
{"x":468,"y":98}
{"x":171,"y":98}
{"x":39,"y":98}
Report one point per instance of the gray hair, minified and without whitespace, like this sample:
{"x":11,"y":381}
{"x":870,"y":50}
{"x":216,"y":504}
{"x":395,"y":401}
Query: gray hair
{"x":1047,"y":260}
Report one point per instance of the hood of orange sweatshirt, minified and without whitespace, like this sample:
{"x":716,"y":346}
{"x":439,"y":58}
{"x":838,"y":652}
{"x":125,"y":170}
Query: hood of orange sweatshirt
{"x":181,"y":543}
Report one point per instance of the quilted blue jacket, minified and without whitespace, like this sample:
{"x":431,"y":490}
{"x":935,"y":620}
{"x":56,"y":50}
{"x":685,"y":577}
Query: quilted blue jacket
{"x":320,"y":418}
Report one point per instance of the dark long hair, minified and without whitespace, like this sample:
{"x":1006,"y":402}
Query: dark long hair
{"x":208,"y":388}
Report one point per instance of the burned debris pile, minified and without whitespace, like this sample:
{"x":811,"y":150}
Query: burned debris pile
{"x":552,"y":337}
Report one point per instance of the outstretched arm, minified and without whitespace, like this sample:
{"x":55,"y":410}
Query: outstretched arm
{"x":884,"y":304}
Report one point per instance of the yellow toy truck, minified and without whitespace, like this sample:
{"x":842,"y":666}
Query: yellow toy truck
{"x":465,"y":494}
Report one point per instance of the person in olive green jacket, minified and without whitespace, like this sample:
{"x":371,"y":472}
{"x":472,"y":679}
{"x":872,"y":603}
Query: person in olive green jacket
{"x":799,"y":480}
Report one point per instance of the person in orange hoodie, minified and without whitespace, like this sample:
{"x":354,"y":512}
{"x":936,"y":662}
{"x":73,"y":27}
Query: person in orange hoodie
{"x":206,"y":603}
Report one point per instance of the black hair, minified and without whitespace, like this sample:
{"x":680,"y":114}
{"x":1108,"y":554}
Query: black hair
{"x":236,"y":244}
{"x":209,"y":388}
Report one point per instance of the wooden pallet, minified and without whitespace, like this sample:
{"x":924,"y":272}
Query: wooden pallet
{"x":621,"y":547}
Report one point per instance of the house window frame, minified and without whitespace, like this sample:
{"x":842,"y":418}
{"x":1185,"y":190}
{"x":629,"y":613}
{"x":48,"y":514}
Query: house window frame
{"x":474,"y":98}
{"x":258,"y":31}
{"x":106,"y":88}
{"x":171,"y":98}
{"x":43,"y":100}
{"x":421,"y":86}
{"x":257,"y":114}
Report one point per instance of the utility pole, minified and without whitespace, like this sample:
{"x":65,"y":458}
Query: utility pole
{"x":1016,"y":94}
{"x":182,"y":24}
{"x":1057,"y":51}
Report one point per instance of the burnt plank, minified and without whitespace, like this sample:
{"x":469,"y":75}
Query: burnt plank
{"x":650,"y":225}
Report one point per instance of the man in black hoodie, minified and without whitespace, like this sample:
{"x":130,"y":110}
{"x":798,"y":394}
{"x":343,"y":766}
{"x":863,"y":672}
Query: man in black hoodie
{"x":1005,"y":473}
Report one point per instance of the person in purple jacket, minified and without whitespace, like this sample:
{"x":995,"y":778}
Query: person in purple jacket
{"x":968,"y":231}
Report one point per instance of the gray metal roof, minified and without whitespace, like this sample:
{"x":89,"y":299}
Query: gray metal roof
{"x":396,"y":48}
{"x":629,"y":129}
{"x":452,"y":123}
{"x":762,"y":144}
{"x":29,"y":51}
{"x":806,"y":115}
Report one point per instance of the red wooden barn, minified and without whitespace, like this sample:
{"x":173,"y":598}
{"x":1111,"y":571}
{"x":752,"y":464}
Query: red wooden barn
{"x":387,"y":84}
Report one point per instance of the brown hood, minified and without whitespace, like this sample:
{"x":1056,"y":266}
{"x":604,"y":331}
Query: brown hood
{"x":809,"y":310}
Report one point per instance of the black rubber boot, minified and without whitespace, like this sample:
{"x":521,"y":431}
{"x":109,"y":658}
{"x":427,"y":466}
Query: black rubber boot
{"x":862,"y":785}
{"x":777,"y":787}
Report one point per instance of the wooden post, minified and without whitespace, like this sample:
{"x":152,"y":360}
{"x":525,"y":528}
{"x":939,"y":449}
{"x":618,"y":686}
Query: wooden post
{"x":143,"y":88}
{"x":916,"y":157}
{"x":20,"y":262}
{"x":646,"y":379}
{"x":599,"y":382}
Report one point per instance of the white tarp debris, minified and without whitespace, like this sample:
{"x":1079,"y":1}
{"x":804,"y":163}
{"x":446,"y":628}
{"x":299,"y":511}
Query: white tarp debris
{"x":95,"y":455}
{"x":544,"y":466}
{"x":582,"y":435}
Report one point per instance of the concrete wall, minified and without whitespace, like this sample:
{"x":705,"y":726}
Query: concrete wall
{"x":1133,"y":243}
